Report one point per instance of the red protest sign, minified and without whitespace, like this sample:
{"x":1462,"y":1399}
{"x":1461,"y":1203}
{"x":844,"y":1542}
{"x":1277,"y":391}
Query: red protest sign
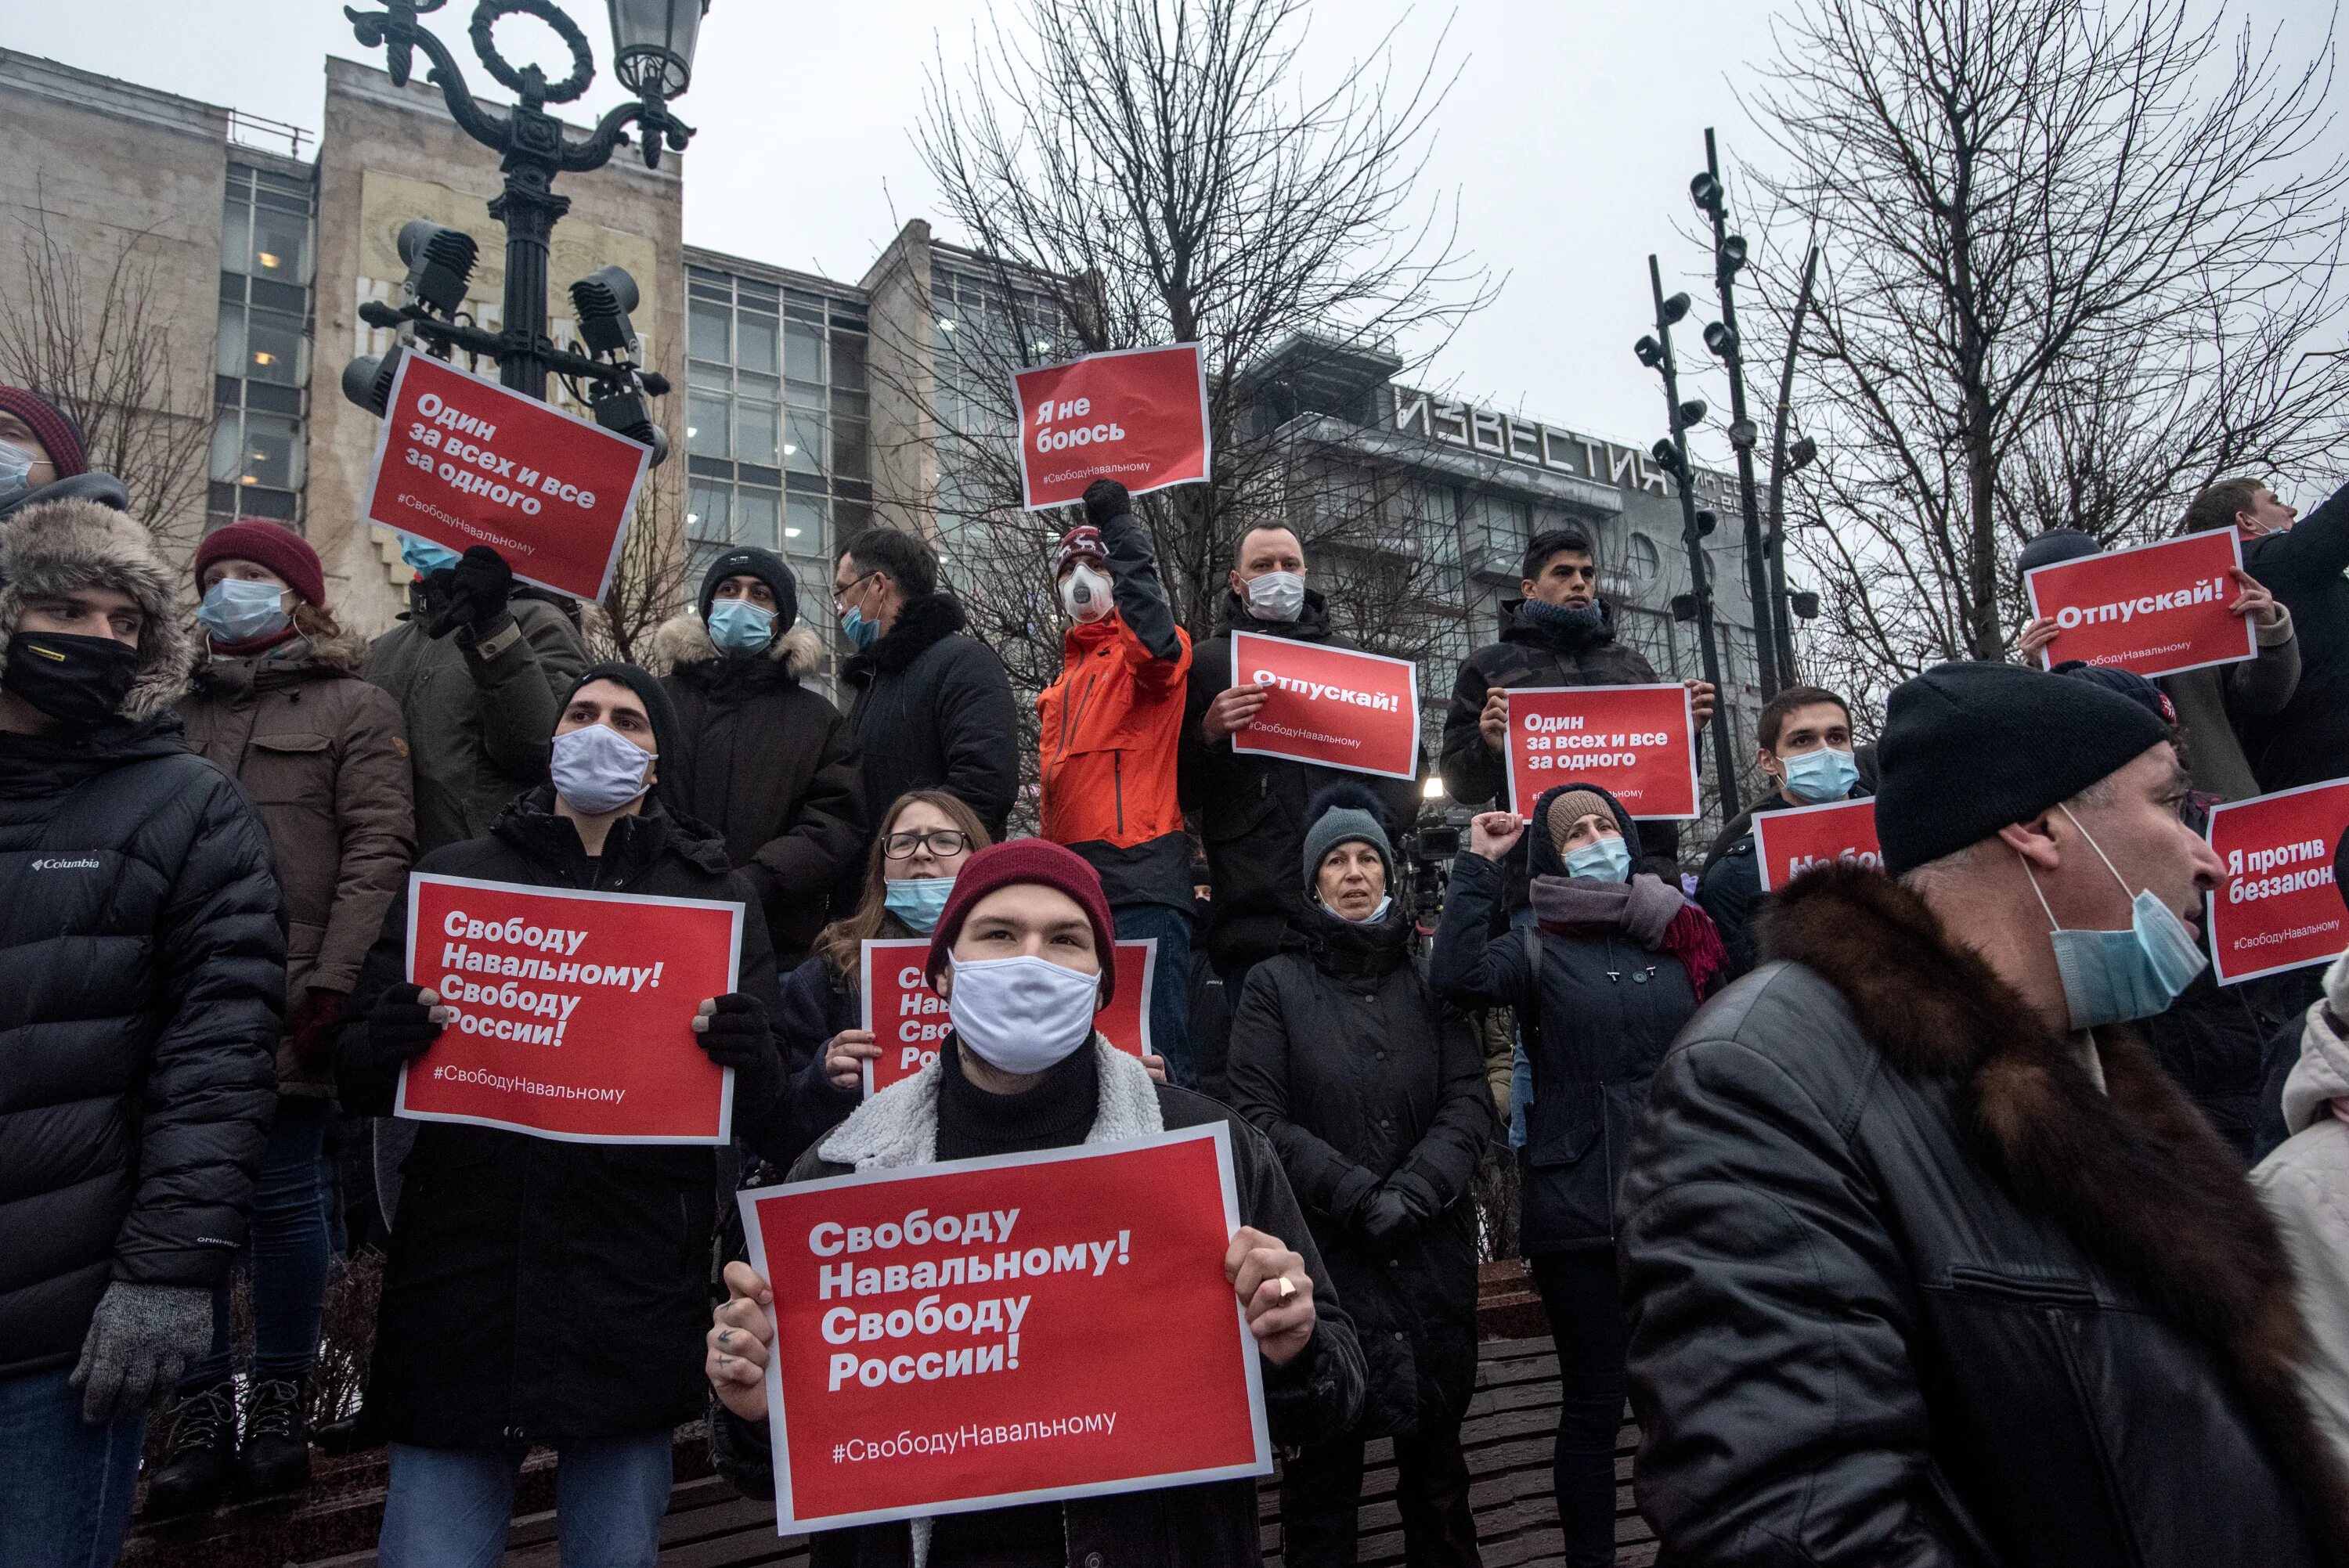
{"x":1060,"y":1328}
{"x":1790,"y":841}
{"x":1636,"y":742}
{"x":908,"y":1019}
{"x":463,"y":461}
{"x":2277,"y":908}
{"x":2154,"y":609}
{"x":1138,"y":416}
{"x":573,"y":1012}
{"x":1329,"y":706}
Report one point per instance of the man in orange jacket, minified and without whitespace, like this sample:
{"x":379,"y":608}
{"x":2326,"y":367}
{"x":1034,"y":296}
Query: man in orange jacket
{"x":1110,"y":728}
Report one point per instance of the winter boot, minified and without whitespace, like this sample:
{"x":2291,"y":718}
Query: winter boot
{"x":198,"y":1454}
{"x":276,"y":1457}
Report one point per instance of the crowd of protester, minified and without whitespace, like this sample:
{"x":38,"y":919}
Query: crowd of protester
{"x":1910,"y":1209}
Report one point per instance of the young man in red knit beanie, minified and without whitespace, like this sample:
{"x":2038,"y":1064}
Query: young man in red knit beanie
{"x":1021,"y":956}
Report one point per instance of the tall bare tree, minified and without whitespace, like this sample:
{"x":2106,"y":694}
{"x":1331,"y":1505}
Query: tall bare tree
{"x":1131,"y":172}
{"x":651,"y":584}
{"x":93,"y":333}
{"x":2080,"y":259}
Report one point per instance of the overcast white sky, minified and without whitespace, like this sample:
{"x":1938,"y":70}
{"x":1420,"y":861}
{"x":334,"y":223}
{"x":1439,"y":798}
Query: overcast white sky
{"x":1568,"y":138}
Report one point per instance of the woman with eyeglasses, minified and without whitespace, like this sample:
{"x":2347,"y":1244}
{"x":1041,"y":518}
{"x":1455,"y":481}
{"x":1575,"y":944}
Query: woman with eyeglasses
{"x":925,"y":838}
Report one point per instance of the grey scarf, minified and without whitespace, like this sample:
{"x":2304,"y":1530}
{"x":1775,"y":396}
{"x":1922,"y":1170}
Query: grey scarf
{"x":1641,"y":908}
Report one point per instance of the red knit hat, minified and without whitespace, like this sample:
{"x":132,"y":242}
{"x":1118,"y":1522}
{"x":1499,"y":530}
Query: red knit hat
{"x":59,"y":436}
{"x":281,"y":550}
{"x":1043,"y":864}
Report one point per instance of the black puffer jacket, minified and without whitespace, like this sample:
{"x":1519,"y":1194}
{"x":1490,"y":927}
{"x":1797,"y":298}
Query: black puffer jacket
{"x":1905,"y":1286}
{"x":142,"y":959}
{"x":1251,"y":808}
{"x":540,"y":1290}
{"x":1531,"y":655}
{"x":771,"y":766}
{"x":142,"y":972}
{"x":1344,"y":1058}
{"x":1597,"y":1013}
{"x":932,"y":711}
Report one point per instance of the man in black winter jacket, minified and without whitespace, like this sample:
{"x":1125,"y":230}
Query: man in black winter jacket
{"x":1557,"y":633}
{"x":933,"y":706}
{"x":1251,"y":808}
{"x":141,"y":990}
{"x":1925,"y":1258}
{"x":1803,"y":746}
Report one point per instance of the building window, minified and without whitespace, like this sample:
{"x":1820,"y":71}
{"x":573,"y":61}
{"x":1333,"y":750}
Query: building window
{"x":1642,"y":560}
{"x":776,"y":424}
{"x":260,"y":366}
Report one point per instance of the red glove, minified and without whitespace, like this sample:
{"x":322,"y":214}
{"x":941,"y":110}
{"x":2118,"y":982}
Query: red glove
{"x":311,"y":1027}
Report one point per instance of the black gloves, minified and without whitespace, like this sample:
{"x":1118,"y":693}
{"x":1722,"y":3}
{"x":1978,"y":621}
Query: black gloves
{"x":1106,"y":499}
{"x":735,"y":1033}
{"x":475,"y":594}
{"x":1395,"y":1208}
{"x":1418,"y":1195}
{"x":400,"y":1027}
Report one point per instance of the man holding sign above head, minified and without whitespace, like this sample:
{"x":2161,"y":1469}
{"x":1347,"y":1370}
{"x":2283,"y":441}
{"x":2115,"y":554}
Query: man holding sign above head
{"x":1019,"y":955}
{"x":1804,"y":748}
{"x":1251,"y":805}
{"x":545,"y":1289}
{"x":1111,"y":726}
{"x":1559,"y":632}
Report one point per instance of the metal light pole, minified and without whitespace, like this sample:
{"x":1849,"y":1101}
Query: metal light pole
{"x":1672,"y":454}
{"x":656,"y":41}
{"x":1785,"y":461}
{"x":1728,"y":256}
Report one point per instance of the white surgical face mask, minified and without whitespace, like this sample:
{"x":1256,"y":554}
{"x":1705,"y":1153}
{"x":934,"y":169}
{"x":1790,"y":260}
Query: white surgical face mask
{"x":1277,"y":596}
{"x":1084,"y":594}
{"x":598,"y":769}
{"x":1023,"y":1016}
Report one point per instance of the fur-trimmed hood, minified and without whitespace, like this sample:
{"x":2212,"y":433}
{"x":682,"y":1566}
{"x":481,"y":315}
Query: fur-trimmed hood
{"x":899,"y":1126}
{"x":2133,"y":1172}
{"x":342,"y":654}
{"x":60,"y":546}
{"x":684,"y":639}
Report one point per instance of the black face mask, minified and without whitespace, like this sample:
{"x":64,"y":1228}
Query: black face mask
{"x":74,"y":680}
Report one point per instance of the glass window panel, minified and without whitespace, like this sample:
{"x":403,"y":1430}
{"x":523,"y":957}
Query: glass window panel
{"x":803,"y":525}
{"x":765,"y":387}
{"x":254,"y":501}
{"x":703,"y":374}
{"x":803,"y":352}
{"x":228,"y":435}
{"x":281,"y":246}
{"x":758,"y":428}
{"x":803,"y":442}
{"x":754,"y":344}
{"x":228,"y":350}
{"x":272,"y":349}
{"x":848,"y":360}
{"x":755,"y":511}
{"x":706,"y":333}
{"x":851,"y":454}
{"x":704,"y":426}
{"x":751,"y":289}
{"x":267,"y":454}
{"x":236,"y":235}
{"x":708,"y":513}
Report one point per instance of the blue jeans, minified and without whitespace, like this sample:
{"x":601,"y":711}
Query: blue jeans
{"x":288,"y":1253}
{"x":65,"y":1485}
{"x":1170,"y":989}
{"x":449,"y":1507}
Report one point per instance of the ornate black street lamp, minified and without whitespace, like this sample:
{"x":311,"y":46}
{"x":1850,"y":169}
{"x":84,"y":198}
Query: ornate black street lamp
{"x":1728,"y":257}
{"x":655,"y":41}
{"x":1671,"y":455}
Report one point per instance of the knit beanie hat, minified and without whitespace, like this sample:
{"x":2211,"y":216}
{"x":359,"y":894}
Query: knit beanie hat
{"x":58,"y":432}
{"x":1043,"y":864}
{"x":267,"y":544}
{"x":1343,"y":812}
{"x":746,"y":561}
{"x":2128,"y":683}
{"x":2057,"y":545}
{"x":1565,"y":811}
{"x":1082,"y":544}
{"x":657,"y":707}
{"x":1969,"y":749}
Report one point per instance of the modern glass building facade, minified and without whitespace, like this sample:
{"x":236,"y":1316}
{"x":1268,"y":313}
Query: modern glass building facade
{"x":261,"y":370}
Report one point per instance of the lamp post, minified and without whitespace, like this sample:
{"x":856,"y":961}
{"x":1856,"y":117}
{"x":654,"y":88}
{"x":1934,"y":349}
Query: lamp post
{"x":655,"y":41}
{"x":1671,"y":455}
{"x":1728,"y":256}
{"x":1785,"y":461}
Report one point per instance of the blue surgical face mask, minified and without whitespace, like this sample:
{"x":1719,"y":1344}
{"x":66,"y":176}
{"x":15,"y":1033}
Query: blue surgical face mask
{"x":16,"y":471}
{"x":739,"y":626}
{"x":2112,"y":976}
{"x":238,"y":610}
{"x":861,"y":634}
{"x":918,"y":901}
{"x":1825,"y":774}
{"x":1604,"y":859}
{"x":424,"y":556}
{"x":598,"y":769}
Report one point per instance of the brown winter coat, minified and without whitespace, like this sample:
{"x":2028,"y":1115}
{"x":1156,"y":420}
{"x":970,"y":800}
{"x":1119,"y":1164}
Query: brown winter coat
{"x":321,"y":754}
